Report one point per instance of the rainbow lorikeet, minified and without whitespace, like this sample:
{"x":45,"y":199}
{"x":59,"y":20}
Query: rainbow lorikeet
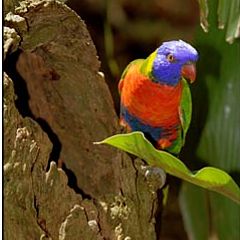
{"x":155,"y":96}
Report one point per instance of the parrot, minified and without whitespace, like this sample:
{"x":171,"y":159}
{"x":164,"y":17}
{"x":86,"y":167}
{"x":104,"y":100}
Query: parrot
{"x":155,"y":96}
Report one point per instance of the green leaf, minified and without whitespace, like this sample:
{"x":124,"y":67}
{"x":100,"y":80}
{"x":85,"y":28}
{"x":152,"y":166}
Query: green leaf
{"x":203,"y":14}
{"x":228,"y":17}
{"x":215,"y":129}
{"x":208,"y":177}
{"x":197,"y":220}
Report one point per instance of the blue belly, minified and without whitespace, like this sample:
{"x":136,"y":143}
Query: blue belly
{"x":152,"y":133}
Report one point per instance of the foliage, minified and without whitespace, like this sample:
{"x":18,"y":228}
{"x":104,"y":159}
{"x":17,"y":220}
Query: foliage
{"x":208,"y":177}
{"x":216,"y":122}
{"x":228,"y":17}
{"x":214,"y":134}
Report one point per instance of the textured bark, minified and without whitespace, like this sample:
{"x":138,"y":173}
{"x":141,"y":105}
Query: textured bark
{"x":69,"y":106}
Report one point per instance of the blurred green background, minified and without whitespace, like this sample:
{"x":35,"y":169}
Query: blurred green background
{"x":123,"y":30}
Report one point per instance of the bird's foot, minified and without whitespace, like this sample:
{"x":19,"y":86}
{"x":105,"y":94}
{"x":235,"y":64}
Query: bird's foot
{"x":155,"y":176}
{"x":163,"y":143}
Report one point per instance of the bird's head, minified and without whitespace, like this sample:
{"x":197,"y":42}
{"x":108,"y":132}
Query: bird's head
{"x":173,"y":60}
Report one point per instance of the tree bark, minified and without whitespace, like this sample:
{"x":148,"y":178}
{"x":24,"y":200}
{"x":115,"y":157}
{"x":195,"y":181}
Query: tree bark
{"x":57,"y":183}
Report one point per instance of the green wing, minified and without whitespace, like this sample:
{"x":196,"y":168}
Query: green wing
{"x":185,"y":113}
{"x":145,"y":67}
{"x":131,"y":64}
{"x":185,"y":110}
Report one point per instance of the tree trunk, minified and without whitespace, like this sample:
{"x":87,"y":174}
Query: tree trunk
{"x":57,"y":183}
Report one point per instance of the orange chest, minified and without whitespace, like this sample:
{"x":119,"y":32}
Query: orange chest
{"x":155,"y":104}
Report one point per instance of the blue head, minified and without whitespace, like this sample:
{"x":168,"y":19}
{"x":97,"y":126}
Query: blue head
{"x":173,"y":60}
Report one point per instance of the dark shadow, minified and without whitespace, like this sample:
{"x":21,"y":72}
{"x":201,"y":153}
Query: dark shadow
{"x":171,"y":221}
{"x":57,"y":145}
{"x":22,"y":105}
{"x":19,"y":84}
{"x":158,"y":213}
{"x":72,"y":182}
{"x":236,"y":176}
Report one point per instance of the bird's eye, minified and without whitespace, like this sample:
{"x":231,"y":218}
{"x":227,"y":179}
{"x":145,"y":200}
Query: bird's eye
{"x":170,"y":57}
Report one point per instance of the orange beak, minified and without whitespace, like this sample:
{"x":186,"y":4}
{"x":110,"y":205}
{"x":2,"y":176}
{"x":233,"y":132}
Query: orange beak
{"x":189,"y":72}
